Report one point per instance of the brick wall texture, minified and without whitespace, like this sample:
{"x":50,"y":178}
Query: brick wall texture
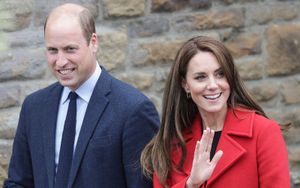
{"x":138,"y":43}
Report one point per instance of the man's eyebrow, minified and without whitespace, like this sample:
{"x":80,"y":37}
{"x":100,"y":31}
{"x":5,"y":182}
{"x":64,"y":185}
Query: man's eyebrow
{"x":50,"y":47}
{"x":70,"y":46}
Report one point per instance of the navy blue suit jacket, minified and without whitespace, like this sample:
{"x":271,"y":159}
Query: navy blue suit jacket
{"x":118,"y":123}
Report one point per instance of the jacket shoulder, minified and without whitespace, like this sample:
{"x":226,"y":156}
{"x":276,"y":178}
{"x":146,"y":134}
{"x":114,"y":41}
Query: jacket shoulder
{"x":43,"y":94}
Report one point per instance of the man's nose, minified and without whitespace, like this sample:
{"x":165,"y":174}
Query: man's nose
{"x":61,"y":59}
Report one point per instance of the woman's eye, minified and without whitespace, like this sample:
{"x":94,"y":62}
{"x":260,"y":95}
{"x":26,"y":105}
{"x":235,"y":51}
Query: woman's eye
{"x":220,"y":74}
{"x":200,"y":77}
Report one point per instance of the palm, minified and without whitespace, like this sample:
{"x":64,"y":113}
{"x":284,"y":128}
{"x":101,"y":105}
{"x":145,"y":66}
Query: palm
{"x":202,"y":166}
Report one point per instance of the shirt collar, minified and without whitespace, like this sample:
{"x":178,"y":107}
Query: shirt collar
{"x":86,"y":89}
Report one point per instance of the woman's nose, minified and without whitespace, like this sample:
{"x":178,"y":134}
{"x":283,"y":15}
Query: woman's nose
{"x":212,"y":83}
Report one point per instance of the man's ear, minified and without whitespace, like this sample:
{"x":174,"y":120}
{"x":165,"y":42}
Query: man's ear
{"x":94,"y":42}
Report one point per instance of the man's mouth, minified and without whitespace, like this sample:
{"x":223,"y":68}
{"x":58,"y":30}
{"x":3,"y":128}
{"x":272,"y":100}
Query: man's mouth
{"x":212,"y":97}
{"x":66,"y":71}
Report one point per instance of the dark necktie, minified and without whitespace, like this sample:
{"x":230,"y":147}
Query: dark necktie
{"x":67,"y":144}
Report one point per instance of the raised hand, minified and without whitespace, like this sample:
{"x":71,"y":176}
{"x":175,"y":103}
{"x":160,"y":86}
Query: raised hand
{"x":202,"y":166}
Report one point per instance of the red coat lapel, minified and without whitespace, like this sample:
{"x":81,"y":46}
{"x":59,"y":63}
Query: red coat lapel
{"x":239,"y":123}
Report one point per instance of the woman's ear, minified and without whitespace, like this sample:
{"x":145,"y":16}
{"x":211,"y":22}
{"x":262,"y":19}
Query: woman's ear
{"x":185,"y":86}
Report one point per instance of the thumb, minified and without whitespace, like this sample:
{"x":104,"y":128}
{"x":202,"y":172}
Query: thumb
{"x":216,"y":158}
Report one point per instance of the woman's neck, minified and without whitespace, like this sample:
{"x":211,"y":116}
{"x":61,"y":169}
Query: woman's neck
{"x":214,"y":121}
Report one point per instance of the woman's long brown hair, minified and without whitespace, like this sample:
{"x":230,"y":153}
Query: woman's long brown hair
{"x":178,"y":111}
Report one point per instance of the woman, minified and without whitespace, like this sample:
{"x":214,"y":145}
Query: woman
{"x":204,"y":93}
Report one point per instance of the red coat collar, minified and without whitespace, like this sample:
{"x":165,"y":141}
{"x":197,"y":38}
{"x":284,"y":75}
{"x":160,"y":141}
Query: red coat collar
{"x":238,"y":122}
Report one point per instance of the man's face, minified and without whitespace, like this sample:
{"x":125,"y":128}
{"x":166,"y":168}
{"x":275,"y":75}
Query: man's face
{"x":71,"y":59}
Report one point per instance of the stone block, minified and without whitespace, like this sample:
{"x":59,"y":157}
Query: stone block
{"x":292,"y":116}
{"x":148,"y":27}
{"x":32,"y":40}
{"x":200,"y":4}
{"x":112,"y":50}
{"x":161,"y":51}
{"x":229,"y":2}
{"x":294,"y":153}
{"x":250,"y":70}
{"x":291,"y":136}
{"x":9,"y":96}
{"x":167,"y":5}
{"x":127,"y":8}
{"x":176,"y":5}
{"x":220,"y":19}
{"x":8,"y":124}
{"x":285,"y":115}
{"x":265,"y":14}
{"x":5,"y":151}
{"x":291,"y":91}
{"x":4,"y":42}
{"x":264,"y":91}
{"x":22,"y":64}
{"x":245,"y":44}
{"x":140,"y":80}
{"x":138,"y":56}
{"x":211,"y":20}
{"x":15,"y":14}
{"x":283,"y":44}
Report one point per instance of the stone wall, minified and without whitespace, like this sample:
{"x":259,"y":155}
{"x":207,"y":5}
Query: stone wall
{"x":138,"y":42}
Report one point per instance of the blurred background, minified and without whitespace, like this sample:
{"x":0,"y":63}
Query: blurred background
{"x":138,"y":43}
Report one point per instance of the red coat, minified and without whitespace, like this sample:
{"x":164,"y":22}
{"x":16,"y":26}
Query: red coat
{"x":254,"y":154}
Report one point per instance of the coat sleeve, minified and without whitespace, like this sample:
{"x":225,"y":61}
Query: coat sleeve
{"x":139,"y":129}
{"x":273,"y":168}
{"x":20,"y":171}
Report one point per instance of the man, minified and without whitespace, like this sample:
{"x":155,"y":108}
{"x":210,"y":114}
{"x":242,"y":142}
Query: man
{"x":113,"y":120}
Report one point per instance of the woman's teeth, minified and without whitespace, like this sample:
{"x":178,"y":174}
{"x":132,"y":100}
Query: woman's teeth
{"x":212,"y":97}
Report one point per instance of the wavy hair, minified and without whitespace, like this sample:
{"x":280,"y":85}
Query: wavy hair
{"x":178,"y":111}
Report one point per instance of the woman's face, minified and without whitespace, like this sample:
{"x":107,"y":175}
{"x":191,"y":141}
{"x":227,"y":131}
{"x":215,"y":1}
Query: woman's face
{"x":207,"y":84}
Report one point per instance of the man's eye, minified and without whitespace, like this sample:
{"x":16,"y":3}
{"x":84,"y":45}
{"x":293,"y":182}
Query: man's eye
{"x":71,"y":49}
{"x":52,"y":50}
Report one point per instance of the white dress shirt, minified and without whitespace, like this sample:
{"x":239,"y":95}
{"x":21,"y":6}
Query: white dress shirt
{"x":84,"y":93}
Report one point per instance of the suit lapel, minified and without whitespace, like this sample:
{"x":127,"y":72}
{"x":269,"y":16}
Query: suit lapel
{"x":235,"y":125}
{"x":96,"y":107}
{"x":49,"y":124}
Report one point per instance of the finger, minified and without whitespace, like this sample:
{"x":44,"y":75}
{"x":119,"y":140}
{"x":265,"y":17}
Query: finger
{"x":203,"y":142}
{"x":207,"y":138}
{"x":216,"y":158}
{"x":197,"y":151}
{"x":210,"y":140}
